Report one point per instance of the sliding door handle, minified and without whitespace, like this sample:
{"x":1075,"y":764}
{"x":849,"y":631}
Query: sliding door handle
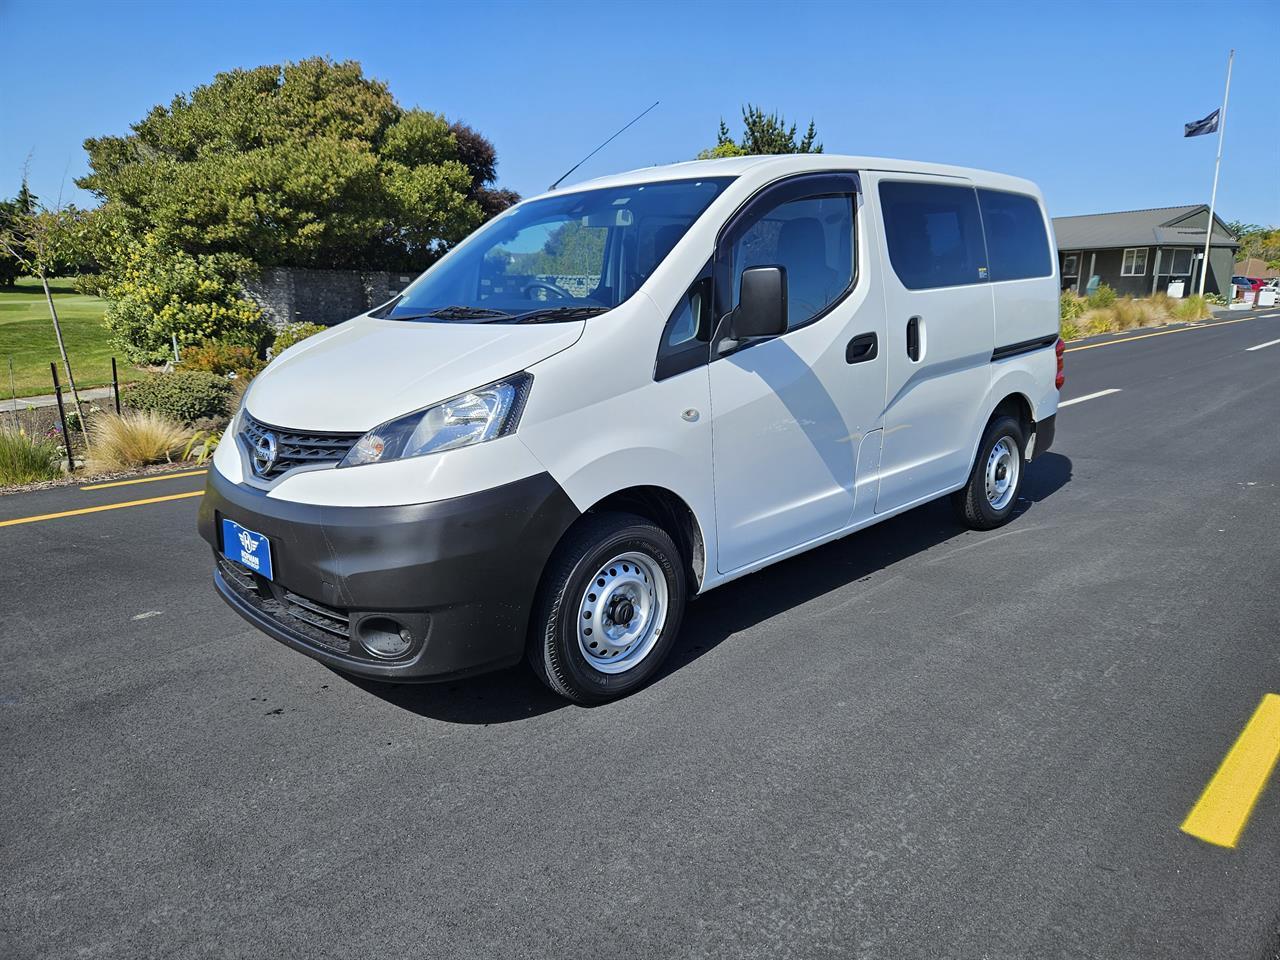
{"x":862,"y":348}
{"x":913,"y":338}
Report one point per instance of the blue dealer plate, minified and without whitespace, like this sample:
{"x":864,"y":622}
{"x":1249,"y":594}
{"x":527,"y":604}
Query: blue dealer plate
{"x":249,"y":549}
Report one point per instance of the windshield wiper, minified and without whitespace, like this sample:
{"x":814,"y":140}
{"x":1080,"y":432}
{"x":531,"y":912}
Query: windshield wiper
{"x":458,"y":313}
{"x":558,"y":313}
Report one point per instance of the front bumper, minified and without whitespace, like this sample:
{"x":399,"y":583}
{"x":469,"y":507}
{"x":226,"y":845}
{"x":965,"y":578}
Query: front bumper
{"x":459,"y":576}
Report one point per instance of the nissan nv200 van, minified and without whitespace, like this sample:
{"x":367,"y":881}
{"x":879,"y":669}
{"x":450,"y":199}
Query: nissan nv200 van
{"x":617,"y":396}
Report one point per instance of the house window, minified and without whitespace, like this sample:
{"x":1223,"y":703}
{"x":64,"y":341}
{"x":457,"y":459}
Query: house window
{"x":1180,"y":262}
{"x":1071,"y":266}
{"x":1135,"y":262}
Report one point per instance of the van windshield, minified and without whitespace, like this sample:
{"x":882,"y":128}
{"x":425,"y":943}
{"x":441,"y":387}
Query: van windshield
{"x":560,"y":258}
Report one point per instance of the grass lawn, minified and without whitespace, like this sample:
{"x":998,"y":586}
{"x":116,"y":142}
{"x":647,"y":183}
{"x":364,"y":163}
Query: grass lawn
{"x":26,"y":336}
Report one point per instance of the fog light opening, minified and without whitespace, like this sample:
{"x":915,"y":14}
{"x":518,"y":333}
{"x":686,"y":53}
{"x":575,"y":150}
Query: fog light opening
{"x":384,"y":638}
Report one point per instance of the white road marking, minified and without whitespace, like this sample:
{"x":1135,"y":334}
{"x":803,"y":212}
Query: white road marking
{"x":1088,"y":396}
{"x":1269,"y":343}
{"x":147,"y":615}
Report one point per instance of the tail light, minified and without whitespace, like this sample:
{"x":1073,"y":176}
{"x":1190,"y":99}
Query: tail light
{"x":1060,"y":348}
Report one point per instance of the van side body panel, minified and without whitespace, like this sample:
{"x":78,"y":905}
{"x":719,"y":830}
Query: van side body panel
{"x":934,"y":398}
{"x":790,"y":417}
{"x":601,"y":428}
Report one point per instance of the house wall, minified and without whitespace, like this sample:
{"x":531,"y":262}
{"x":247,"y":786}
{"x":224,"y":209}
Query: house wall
{"x":1108,"y":267}
{"x":1110,"y":262}
{"x":1221,"y":261}
{"x":1221,"y":264}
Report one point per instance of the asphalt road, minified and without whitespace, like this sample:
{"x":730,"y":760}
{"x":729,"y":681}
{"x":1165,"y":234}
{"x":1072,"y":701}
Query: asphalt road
{"x":917,"y":742}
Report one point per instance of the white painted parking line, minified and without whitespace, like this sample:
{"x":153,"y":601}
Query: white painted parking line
{"x":1269,"y":343}
{"x":1089,"y":396}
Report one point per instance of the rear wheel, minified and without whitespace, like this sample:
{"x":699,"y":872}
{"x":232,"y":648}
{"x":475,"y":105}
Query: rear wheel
{"x":987,"y":500}
{"x":609,"y":608}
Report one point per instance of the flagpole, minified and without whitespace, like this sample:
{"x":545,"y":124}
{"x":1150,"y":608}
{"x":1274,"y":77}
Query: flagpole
{"x":1217,"y":164}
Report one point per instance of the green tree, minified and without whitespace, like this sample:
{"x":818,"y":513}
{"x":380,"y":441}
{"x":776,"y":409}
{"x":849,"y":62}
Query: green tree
{"x":10,"y":268}
{"x":307,"y":164}
{"x":763,"y":134}
{"x":301,"y":164}
{"x":1256,"y":241}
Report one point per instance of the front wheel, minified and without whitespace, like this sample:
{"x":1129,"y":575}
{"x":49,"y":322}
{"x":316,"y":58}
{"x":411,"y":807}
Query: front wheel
{"x":987,"y":500}
{"x":609,"y":608}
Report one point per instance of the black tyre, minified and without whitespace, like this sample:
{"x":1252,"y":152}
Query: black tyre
{"x":608,"y":609}
{"x":988,"y":499}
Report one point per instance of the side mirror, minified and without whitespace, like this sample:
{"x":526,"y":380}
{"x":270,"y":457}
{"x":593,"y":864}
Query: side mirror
{"x":762,"y":304}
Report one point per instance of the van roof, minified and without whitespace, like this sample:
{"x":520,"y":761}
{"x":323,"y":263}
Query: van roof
{"x":782,"y":165}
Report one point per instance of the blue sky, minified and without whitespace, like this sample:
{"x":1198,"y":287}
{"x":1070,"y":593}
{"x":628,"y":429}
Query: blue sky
{"x":1086,"y":99}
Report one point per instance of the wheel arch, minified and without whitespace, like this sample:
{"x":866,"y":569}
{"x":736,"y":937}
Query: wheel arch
{"x":672,"y":513}
{"x":1007,"y":399}
{"x":1016,"y":405}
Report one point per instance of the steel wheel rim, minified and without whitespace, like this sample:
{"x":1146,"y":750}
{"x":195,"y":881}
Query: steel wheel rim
{"x":621,"y":613}
{"x":1001,"y":475}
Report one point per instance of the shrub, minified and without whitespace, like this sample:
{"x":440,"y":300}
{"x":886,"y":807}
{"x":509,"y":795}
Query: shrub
{"x":1070,"y":310}
{"x":294,"y":333}
{"x":1098,"y":321}
{"x":1192,"y":308}
{"x":1126,"y":314}
{"x":222,"y":358}
{"x":157,"y":292}
{"x":202,"y":445}
{"x":1104,"y":296}
{"x":184,"y":395}
{"x":25,"y":459}
{"x":135,"y":439}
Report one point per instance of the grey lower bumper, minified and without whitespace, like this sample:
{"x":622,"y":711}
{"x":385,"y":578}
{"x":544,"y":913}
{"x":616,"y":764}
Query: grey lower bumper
{"x":458,"y":575}
{"x":1044,"y":435}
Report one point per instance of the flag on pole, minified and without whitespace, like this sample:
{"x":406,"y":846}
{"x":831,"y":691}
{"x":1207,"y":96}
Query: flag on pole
{"x":1198,"y":128}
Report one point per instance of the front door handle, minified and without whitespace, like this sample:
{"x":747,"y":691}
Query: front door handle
{"x":862,"y":348}
{"x":913,"y":338}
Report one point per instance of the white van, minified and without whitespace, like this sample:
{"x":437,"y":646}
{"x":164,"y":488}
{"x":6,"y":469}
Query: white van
{"x":616,"y":396}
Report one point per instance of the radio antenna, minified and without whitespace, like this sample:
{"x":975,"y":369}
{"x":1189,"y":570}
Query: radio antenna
{"x":599,"y":148}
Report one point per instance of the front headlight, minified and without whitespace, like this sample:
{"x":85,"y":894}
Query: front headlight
{"x":237,"y":419}
{"x":471,"y":417}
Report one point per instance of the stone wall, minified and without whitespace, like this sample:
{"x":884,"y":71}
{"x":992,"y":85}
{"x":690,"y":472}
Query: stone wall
{"x":297,"y":295}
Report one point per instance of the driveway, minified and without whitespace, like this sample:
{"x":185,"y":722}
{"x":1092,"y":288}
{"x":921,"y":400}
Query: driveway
{"x":919,"y":741}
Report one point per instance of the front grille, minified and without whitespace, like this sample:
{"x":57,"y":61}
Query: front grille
{"x":315,"y":622}
{"x":295,"y":449}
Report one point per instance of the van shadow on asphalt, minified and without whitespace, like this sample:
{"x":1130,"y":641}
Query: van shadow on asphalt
{"x":515,"y":694}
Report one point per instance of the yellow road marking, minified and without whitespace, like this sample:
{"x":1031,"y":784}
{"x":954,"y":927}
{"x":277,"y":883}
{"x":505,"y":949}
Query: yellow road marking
{"x":1223,"y":809}
{"x":1162,"y":333}
{"x":162,"y":476}
{"x":105,"y":506}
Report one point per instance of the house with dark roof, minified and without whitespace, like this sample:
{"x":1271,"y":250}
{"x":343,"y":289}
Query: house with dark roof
{"x":1140,"y":252}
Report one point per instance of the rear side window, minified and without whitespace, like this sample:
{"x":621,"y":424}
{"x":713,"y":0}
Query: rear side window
{"x":934,"y":233}
{"x":1017,"y":245}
